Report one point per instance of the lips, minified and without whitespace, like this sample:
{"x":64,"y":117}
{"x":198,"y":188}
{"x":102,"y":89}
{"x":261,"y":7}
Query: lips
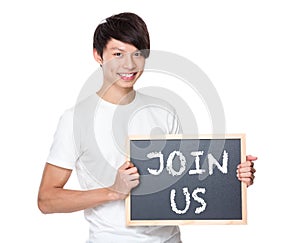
{"x":127,"y":76}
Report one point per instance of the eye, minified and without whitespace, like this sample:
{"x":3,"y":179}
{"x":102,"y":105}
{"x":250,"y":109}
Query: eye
{"x":137,"y":53}
{"x":117,"y":54}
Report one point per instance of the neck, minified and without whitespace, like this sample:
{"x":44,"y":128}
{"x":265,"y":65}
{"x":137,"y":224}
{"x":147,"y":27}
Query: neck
{"x":116,"y":96}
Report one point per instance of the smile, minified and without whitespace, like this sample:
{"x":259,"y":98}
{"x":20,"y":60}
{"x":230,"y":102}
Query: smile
{"x":127,"y":76}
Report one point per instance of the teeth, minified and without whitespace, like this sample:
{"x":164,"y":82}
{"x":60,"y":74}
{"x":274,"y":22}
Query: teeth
{"x":127,"y":75}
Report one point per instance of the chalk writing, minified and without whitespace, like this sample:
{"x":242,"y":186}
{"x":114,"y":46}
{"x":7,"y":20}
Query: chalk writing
{"x":198,"y":199}
{"x":169,"y":167}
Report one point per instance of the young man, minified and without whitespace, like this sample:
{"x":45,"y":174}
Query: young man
{"x":90,"y":137}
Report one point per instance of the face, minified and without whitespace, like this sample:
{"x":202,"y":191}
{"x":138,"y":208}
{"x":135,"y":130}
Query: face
{"x":122,"y":64}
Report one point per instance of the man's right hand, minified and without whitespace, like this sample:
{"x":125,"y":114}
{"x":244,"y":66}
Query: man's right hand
{"x":127,"y":178}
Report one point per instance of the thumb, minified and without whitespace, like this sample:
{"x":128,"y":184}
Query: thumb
{"x":251,"y":158}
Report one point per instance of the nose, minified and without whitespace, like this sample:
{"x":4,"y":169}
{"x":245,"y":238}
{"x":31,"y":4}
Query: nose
{"x":129,"y":62}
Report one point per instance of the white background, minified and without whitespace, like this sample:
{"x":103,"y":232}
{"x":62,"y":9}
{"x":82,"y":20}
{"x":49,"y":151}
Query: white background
{"x":250,"y":51}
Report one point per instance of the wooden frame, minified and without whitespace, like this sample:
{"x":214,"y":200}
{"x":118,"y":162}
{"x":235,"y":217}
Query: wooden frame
{"x":243,"y":220}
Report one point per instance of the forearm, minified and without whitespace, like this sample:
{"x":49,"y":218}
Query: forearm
{"x":59,"y":200}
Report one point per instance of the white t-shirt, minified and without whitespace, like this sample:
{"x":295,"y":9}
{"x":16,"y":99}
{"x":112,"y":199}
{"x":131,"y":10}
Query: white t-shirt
{"x":91,"y":137}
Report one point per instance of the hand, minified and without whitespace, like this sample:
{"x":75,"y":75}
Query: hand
{"x":127,"y":178}
{"x":245,"y":170}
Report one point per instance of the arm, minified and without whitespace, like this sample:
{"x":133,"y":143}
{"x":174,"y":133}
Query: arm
{"x":53,"y":198}
{"x":245,"y":170}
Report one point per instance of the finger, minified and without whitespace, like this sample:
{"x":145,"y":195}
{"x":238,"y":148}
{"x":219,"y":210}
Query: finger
{"x":126,"y":165}
{"x":131,"y":184}
{"x":134,"y":183}
{"x":245,"y":175}
{"x":246,"y":169}
{"x":245,"y":164}
{"x":251,"y":158}
{"x":131,"y":170}
{"x":130,"y":164}
{"x":135,"y":176}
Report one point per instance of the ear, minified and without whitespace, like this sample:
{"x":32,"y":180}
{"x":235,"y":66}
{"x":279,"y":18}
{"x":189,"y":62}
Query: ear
{"x":97,"y":57}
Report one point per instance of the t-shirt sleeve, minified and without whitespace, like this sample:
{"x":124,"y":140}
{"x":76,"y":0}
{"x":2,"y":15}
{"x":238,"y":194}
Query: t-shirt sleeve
{"x":63,"y":149}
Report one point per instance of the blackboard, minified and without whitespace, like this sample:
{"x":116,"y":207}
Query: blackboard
{"x":187,"y":180}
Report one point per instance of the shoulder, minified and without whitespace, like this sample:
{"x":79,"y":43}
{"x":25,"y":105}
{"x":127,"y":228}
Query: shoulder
{"x":67,"y":117}
{"x":79,"y":110}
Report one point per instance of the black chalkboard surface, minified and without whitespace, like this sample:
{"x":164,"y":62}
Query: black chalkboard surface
{"x":187,"y":180}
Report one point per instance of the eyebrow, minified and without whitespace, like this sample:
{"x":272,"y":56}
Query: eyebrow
{"x":117,"y":48}
{"x":120,"y":49}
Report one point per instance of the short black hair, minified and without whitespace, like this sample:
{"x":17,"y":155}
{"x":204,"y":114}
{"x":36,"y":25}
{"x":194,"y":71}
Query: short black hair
{"x":126,"y":27}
